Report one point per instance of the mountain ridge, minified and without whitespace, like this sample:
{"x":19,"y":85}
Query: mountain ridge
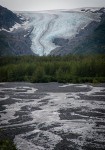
{"x":91,"y":40}
{"x":44,"y":33}
{"x":8,"y":18}
{"x":12,"y":40}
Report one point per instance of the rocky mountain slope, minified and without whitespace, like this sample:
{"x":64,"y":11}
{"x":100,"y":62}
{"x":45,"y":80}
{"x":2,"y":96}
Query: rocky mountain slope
{"x":90,"y":40}
{"x":8,"y":18}
{"x":12,"y":40}
{"x":56,"y":32}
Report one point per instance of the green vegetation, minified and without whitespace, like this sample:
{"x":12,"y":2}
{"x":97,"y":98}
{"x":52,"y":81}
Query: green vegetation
{"x":72,"y":69}
{"x":7,"y":145}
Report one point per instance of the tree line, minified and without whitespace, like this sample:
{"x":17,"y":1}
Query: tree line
{"x":71,"y":69}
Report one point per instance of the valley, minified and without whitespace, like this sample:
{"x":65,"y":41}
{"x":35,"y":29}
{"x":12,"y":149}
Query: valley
{"x":56,"y":32}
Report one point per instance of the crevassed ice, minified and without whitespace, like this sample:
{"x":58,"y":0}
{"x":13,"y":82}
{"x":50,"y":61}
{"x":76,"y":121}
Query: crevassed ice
{"x":48,"y":26}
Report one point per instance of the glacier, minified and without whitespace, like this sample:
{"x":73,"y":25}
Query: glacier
{"x":48,"y":25}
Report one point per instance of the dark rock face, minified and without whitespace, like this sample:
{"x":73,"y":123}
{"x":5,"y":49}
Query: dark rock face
{"x":90,"y":40}
{"x":8,"y":18}
{"x":16,"y":42}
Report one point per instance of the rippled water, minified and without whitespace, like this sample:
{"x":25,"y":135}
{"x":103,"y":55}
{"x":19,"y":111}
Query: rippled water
{"x":53,"y":116}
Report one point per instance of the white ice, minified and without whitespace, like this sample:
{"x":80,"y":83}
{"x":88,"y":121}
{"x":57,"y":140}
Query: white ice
{"x":52,"y":24}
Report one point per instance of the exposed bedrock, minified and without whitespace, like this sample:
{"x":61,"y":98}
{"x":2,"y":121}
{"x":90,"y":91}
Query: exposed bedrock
{"x":54,"y":29}
{"x":15,"y":43}
{"x":89,"y":40}
{"x":8,"y":18}
{"x":56,"y":32}
{"x":14,"y":34}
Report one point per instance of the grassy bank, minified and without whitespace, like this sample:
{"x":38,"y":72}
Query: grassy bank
{"x":72,"y":69}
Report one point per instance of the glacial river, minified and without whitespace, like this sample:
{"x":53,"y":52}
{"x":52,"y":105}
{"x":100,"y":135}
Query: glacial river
{"x":53,"y":116}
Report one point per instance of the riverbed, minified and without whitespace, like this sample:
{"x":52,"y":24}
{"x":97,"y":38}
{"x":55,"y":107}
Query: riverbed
{"x":53,"y":116}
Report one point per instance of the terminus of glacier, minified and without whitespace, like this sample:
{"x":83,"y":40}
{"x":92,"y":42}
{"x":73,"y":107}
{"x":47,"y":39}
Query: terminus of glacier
{"x":49,"y":25}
